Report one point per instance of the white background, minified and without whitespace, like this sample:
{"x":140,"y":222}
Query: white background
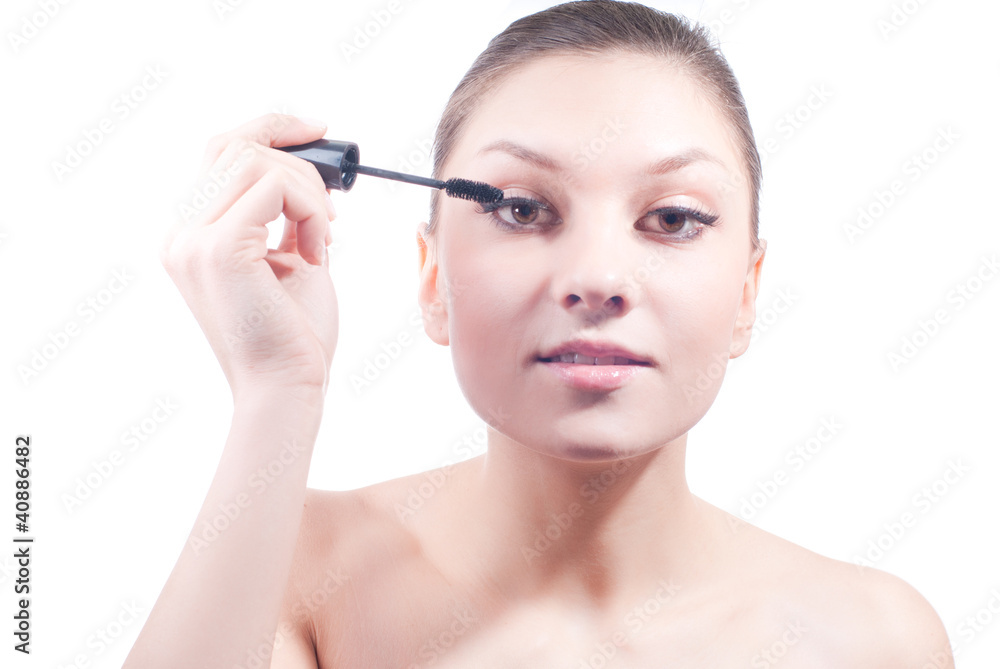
{"x":823,"y":357}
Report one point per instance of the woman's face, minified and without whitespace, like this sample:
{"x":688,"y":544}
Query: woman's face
{"x":609,"y":147}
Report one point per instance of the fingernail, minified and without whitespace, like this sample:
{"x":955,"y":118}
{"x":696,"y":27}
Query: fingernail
{"x":329,"y":207}
{"x":312,"y":121}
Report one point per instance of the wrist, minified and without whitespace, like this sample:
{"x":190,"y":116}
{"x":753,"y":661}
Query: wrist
{"x":265,"y":394}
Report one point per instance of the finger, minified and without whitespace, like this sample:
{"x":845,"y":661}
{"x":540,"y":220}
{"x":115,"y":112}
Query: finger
{"x":241,"y":150}
{"x":244,"y":224}
{"x":269,"y":130}
{"x":243,"y":164}
{"x":308,"y":171}
{"x":288,"y":237}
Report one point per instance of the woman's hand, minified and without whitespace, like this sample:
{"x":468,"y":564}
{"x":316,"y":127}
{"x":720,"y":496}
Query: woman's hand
{"x":270,"y":315}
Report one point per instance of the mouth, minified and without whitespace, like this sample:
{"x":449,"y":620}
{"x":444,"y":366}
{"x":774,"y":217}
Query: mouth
{"x":597,"y":353}
{"x":580,"y":359}
{"x":609,"y":367}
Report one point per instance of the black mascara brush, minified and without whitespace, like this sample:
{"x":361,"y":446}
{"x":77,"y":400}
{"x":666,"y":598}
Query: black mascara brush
{"x":337,"y":163}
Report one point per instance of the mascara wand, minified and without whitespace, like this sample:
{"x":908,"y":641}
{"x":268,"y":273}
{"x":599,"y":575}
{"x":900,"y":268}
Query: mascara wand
{"x":337,"y":163}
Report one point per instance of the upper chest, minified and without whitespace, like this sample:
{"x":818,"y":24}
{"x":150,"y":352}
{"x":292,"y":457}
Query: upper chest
{"x":398,"y":608}
{"x":421,"y":621}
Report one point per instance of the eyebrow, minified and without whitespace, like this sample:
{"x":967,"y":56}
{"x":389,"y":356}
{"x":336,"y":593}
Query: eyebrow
{"x":522,"y":153}
{"x":663,"y":166}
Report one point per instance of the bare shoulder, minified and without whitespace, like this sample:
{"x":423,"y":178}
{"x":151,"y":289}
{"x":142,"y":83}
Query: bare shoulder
{"x":356,"y":568}
{"x":848,"y":615}
{"x":345,"y":538}
{"x":319,"y":571}
{"x":909,"y":632}
{"x":896,"y":625}
{"x":361,"y":534}
{"x":890,"y":624}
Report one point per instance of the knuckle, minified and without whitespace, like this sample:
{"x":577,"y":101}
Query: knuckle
{"x":227,"y":148}
{"x":276,"y":179}
{"x":276,"y":120}
{"x":316,"y":181}
{"x":252,"y":151}
{"x":216,"y":145}
{"x":238,"y":162}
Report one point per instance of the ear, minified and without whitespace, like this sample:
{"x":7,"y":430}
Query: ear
{"x":432,"y":307}
{"x":748,"y":305}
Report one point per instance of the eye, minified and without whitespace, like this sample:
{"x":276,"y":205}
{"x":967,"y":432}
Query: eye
{"x":682,"y":222}
{"x":519,"y":212}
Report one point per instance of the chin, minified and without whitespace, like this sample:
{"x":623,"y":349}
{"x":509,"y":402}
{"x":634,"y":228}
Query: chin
{"x":596,"y":453}
{"x":589,"y":449}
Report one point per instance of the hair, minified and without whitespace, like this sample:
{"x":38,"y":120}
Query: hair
{"x":595,"y":27}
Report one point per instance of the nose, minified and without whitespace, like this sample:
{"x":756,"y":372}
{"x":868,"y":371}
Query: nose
{"x":591,"y":274}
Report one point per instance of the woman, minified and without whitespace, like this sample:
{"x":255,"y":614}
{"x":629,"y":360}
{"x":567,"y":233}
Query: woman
{"x":583,"y":313}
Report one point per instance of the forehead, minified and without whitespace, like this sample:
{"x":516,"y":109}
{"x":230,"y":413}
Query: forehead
{"x":624,"y":107}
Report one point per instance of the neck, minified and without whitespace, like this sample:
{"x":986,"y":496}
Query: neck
{"x":592,"y":531}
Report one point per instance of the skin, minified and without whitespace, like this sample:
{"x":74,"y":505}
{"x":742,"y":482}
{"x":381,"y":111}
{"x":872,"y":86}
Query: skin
{"x":634,"y":563}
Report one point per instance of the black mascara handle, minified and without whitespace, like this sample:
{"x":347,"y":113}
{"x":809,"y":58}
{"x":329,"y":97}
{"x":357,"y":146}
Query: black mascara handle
{"x":334,"y":160}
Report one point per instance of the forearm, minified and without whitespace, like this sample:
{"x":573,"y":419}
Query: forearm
{"x":224,"y":594}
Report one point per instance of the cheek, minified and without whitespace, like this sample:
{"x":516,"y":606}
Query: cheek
{"x":490,"y":286}
{"x":487,"y":325}
{"x":696,"y":315}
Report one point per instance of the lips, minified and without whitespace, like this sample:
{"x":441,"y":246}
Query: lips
{"x":583,"y":352}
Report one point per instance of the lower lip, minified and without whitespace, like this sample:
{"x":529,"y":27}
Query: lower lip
{"x":594,"y":377}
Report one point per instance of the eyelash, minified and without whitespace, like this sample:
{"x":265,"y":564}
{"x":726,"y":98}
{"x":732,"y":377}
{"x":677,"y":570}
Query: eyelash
{"x":705,"y":218}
